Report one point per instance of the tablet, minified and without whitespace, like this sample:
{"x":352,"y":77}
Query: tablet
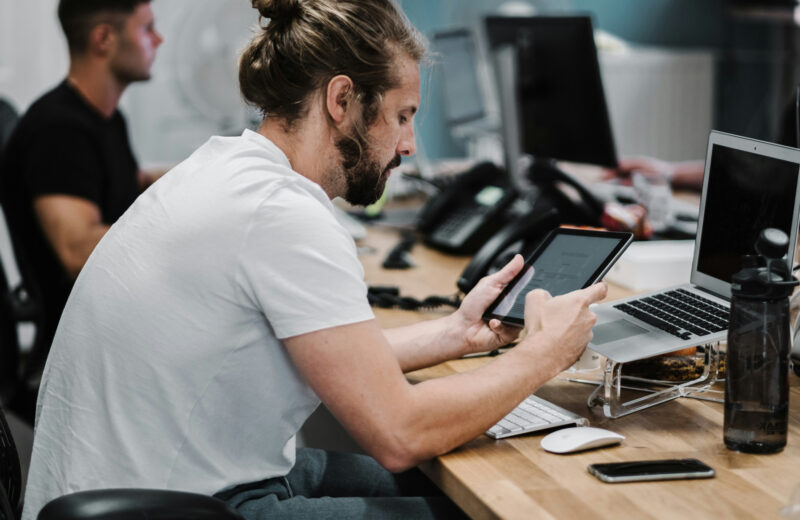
{"x":566,"y":260}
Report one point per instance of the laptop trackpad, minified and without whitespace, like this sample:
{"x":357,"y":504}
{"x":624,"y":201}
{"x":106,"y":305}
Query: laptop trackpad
{"x":614,"y":331}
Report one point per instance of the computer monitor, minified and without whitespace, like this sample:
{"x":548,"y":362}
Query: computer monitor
{"x":539,"y":177}
{"x":505,"y":67}
{"x":563,"y":112}
{"x":762,"y":3}
{"x":469,"y":106}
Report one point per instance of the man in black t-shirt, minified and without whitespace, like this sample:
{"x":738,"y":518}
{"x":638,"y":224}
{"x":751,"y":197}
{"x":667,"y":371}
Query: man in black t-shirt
{"x":68,"y":171}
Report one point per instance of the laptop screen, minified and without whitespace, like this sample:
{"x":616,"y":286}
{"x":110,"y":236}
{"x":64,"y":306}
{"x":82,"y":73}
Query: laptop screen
{"x":749,"y":186}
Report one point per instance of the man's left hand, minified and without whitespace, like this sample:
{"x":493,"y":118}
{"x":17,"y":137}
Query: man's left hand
{"x":480,"y":336}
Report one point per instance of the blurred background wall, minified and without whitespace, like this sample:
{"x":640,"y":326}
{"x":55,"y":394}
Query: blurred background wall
{"x":745,"y":64}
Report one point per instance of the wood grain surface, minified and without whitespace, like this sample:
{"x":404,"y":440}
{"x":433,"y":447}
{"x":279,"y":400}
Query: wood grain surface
{"x":516,"y":478}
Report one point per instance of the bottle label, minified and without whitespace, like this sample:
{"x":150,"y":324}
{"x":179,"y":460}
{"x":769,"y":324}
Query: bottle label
{"x":773,"y":427}
{"x":741,"y":435}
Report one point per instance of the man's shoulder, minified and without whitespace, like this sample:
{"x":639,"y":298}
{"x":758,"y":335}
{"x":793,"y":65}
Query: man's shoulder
{"x":264,"y":168}
{"x":57,"y":108}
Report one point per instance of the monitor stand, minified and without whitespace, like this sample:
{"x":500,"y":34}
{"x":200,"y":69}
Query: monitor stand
{"x":609,"y":392}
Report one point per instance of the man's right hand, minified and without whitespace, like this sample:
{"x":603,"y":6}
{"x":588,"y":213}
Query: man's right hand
{"x":355,"y":372}
{"x":686,"y":174}
{"x":560,"y":327}
{"x":650,"y":167}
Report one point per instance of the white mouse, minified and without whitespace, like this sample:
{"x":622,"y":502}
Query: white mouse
{"x":579,"y":438}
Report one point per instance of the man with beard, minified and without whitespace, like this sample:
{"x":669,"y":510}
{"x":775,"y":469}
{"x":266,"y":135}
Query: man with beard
{"x":68,"y":170}
{"x":228,"y":301}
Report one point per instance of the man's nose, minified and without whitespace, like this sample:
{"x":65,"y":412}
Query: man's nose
{"x":407,"y":145}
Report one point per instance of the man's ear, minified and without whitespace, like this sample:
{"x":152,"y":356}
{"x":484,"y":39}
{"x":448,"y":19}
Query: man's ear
{"x":102,"y":39}
{"x":339,"y":98}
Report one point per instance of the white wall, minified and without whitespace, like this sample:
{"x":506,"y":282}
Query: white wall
{"x":33,"y":51}
{"x":186,"y":101}
{"x":194,"y":90}
{"x":660,"y":102}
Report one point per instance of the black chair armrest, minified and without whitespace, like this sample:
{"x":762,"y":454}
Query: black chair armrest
{"x":137,"y":504}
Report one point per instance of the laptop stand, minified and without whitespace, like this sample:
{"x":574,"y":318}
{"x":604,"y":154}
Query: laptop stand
{"x":609,"y":395}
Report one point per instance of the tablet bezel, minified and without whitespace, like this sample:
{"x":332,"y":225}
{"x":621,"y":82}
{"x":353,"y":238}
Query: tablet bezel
{"x":624,"y":239}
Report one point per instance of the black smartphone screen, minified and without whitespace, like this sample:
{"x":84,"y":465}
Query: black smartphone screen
{"x":567,"y":259}
{"x":666,"y":469}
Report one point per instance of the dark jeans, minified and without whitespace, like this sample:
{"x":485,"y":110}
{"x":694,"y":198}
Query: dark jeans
{"x":334,"y":485}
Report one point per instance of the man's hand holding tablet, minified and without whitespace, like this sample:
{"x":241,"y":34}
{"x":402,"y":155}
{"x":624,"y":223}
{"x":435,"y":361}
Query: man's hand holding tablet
{"x":567,"y":259}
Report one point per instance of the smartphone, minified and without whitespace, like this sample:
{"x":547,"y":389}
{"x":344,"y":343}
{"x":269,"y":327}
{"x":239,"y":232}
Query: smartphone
{"x":567,"y":259}
{"x":664,"y":469}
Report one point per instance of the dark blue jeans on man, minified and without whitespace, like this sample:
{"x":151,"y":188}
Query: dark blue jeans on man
{"x":333,"y":485}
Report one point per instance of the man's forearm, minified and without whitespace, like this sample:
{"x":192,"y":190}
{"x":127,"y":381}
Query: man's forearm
{"x":447,"y":412}
{"x":426,"y":343}
{"x":77,"y":252}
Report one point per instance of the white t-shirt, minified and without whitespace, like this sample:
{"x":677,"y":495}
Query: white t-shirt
{"x":167,"y":369}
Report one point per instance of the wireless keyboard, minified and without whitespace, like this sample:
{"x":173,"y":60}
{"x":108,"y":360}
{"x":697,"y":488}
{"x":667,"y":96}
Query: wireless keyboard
{"x":534,"y":414}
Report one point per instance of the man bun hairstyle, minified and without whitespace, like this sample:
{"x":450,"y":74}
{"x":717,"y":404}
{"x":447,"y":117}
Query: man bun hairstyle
{"x":277,"y":9}
{"x":79,"y":17}
{"x":303,"y":44}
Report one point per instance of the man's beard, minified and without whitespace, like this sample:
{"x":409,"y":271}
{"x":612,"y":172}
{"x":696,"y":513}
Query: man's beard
{"x":365,"y":178}
{"x":129,"y":66}
{"x":127,"y":74}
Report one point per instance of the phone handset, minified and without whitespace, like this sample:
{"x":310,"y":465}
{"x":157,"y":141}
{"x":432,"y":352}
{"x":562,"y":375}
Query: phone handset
{"x":530,"y":228}
{"x":547,"y":176}
{"x":467,"y":212}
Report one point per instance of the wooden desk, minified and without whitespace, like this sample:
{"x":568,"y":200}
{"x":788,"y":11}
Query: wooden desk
{"x":516,"y":478}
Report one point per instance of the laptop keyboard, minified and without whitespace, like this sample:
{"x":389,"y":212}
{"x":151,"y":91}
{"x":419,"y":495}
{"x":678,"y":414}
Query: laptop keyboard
{"x":534,"y":414}
{"x":680,"y":313}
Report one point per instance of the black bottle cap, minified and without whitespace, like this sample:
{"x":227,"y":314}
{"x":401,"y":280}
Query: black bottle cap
{"x":762,"y":283}
{"x":772,"y":243}
{"x":765,"y":276}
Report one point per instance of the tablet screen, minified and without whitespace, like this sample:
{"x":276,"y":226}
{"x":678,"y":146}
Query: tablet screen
{"x":568,"y":259}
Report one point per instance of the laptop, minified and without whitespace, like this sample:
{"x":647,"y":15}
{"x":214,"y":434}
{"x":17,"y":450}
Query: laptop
{"x":748,"y":185}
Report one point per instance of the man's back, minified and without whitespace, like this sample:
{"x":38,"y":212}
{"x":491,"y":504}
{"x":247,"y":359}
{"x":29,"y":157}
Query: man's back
{"x":173,"y":322}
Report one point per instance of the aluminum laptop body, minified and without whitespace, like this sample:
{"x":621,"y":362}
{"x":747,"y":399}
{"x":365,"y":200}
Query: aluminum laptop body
{"x":748,"y":185}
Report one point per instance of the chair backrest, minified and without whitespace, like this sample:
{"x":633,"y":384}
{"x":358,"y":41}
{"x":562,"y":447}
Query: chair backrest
{"x":9,"y":342}
{"x":12,"y":292}
{"x":20,"y":302}
{"x":10,"y":474}
{"x":8,"y":119}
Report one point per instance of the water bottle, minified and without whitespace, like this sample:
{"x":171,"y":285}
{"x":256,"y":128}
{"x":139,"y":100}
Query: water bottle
{"x":759,"y":343}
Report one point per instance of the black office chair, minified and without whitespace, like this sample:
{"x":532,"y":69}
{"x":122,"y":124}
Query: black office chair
{"x":19,"y":303}
{"x":104,"y":504}
{"x":9,"y":345}
{"x":10,"y":297}
{"x":10,"y":474}
{"x":8,"y":120}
